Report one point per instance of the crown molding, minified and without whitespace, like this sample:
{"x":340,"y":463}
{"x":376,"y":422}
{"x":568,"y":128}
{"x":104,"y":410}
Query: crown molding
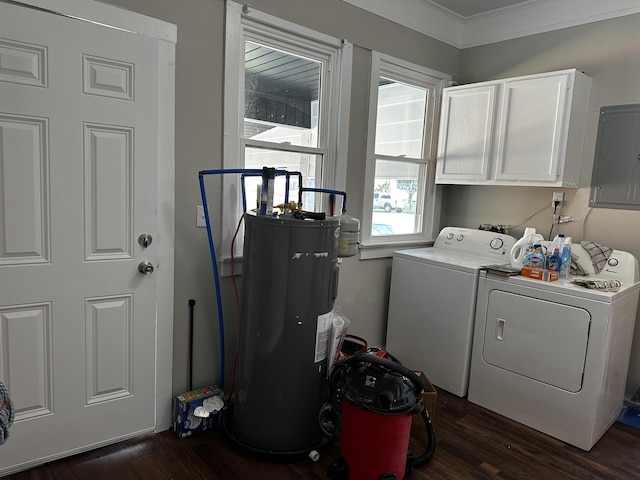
{"x":528,"y":18}
{"x":430,"y":20}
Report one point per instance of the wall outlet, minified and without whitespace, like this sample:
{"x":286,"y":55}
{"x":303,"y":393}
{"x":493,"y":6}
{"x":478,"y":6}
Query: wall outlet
{"x":200,"y":220}
{"x":557,"y":197}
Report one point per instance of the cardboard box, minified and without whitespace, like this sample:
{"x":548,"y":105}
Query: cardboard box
{"x":185,"y":423}
{"x":429,"y":397}
{"x":540,"y":274}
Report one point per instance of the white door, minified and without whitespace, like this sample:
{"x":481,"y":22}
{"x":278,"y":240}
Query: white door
{"x":78,"y":147}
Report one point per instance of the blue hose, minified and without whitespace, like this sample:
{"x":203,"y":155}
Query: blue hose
{"x":216,"y":276}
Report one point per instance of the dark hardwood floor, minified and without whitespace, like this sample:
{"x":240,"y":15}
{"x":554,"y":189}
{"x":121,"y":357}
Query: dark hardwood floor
{"x":472,"y":443}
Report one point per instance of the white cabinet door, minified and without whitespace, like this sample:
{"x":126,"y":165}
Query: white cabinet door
{"x":530,"y":138}
{"x":466,"y":132}
{"x":526,"y":131}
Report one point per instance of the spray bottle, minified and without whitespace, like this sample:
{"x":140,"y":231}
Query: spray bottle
{"x":553,"y":262}
{"x":524,"y":246}
{"x":565,"y":258}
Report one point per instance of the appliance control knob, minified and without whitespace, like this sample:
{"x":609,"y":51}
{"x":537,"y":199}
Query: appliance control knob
{"x":496,"y":243}
{"x":613,"y":262}
{"x":449,"y":236}
{"x":460,"y":237}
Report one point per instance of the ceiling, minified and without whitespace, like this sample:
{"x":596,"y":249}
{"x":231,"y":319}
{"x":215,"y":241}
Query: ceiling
{"x":469,"y":8}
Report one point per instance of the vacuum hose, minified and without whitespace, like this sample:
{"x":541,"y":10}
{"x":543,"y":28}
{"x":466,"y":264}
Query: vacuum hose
{"x":431,"y":439}
{"x":342,"y":368}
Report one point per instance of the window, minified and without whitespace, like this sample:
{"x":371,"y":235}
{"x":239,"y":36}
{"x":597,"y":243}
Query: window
{"x":286,"y":106}
{"x":400,"y":201}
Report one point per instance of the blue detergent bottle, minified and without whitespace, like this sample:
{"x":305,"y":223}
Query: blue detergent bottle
{"x":536,"y":258}
{"x":554,"y":260}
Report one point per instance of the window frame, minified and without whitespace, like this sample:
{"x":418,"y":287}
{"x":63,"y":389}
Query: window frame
{"x":243,"y":22}
{"x":415,"y":75}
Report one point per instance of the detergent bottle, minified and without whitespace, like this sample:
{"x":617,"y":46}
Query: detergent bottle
{"x":558,"y":242}
{"x":535,"y":259}
{"x":524,"y":246}
{"x":553,"y":262}
{"x":565,"y":258}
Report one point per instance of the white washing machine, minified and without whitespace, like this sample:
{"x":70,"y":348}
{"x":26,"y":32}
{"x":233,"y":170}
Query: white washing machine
{"x":553,"y":355}
{"x":432,"y":303}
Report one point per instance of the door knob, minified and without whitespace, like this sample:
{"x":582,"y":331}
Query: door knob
{"x":145,"y":240}
{"x":145,"y":267}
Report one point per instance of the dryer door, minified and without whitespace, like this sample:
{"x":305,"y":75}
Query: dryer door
{"x":541,"y":340}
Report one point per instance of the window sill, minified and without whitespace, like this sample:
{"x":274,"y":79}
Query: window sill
{"x":225,"y":264}
{"x":366,"y":252}
{"x":385,"y":250}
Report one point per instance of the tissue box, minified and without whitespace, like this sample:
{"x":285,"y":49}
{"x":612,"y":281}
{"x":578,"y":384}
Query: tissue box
{"x":540,"y":274}
{"x":185,"y":423}
{"x":429,"y":396}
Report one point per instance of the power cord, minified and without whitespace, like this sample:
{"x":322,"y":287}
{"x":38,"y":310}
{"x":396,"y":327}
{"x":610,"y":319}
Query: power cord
{"x":555,"y":209}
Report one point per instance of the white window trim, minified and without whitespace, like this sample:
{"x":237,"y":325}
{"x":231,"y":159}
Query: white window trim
{"x":379,"y":247}
{"x":334,"y":174}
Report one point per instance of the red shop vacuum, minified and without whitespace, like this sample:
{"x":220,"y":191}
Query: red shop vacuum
{"x":379,"y":397}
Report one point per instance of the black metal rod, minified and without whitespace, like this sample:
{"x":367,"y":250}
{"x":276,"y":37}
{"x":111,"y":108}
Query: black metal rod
{"x":192,"y":303}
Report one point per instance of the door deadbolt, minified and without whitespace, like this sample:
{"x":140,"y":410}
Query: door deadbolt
{"x":145,"y":240}
{"x":145,"y":267}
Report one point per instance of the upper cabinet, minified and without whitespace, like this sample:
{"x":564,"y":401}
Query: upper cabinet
{"x":526,"y":131}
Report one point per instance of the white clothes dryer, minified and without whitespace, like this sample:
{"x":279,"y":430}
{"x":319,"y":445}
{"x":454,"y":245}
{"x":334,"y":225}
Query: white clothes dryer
{"x":553,"y":355}
{"x":432,"y":303}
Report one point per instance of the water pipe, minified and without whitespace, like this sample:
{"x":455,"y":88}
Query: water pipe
{"x":216,"y":276}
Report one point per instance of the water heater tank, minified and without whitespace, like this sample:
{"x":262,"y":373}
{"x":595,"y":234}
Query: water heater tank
{"x":289,"y":284}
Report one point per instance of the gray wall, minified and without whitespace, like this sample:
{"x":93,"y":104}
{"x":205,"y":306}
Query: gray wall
{"x":199,"y":95}
{"x":606,"y":51}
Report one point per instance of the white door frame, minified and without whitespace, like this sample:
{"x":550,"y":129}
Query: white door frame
{"x":166,"y":33}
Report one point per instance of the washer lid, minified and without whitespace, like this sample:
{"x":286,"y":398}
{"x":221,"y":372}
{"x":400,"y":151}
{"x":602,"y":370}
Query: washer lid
{"x":447,"y":259}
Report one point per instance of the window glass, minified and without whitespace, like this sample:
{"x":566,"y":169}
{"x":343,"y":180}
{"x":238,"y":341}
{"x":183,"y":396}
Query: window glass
{"x":280,"y":96}
{"x":306,"y":164}
{"x":400,"y":119}
{"x":396,"y":206}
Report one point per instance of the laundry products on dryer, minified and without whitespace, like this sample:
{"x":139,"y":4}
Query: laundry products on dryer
{"x":535,"y":259}
{"x":562,"y":245}
{"x":524,"y":246}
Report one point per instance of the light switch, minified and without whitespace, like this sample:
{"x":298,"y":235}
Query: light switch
{"x":200,"y":220}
